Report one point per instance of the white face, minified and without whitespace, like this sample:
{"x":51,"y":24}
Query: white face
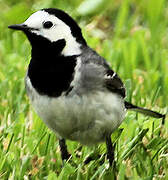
{"x":58,"y":30}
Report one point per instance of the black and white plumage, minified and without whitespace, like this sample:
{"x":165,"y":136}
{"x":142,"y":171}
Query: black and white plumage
{"x":71,"y":87}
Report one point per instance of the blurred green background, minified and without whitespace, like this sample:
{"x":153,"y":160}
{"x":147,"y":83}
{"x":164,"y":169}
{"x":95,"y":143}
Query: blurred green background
{"x":133,"y":36}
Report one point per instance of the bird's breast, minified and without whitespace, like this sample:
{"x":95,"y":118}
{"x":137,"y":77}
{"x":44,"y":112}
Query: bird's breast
{"x":51,"y":76}
{"x":86,"y":119}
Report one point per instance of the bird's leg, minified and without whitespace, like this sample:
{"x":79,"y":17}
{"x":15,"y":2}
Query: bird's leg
{"x":63,"y":147}
{"x":110,"y":150}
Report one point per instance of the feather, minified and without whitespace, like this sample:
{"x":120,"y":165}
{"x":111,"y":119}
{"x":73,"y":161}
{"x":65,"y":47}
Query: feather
{"x":145,"y":111}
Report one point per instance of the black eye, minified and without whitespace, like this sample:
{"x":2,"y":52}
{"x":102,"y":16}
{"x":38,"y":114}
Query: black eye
{"x":47,"y":24}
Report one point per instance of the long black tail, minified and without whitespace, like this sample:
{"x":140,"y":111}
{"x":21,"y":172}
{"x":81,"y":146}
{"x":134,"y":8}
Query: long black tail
{"x":144,"y":111}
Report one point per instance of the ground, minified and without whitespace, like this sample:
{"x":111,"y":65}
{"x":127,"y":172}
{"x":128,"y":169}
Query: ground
{"x":133,"y":37}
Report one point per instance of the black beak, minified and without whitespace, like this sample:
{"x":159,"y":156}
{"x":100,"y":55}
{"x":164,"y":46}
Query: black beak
{"x":22,"y":27}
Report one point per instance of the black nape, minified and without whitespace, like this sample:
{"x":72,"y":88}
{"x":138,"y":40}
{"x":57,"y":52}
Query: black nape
{"x":75,"y":29}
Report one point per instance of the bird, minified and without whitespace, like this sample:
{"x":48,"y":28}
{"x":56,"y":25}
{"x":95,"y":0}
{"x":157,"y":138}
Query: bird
{"x":71,"y":87}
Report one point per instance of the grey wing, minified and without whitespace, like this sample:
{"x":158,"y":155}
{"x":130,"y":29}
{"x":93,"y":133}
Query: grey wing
{"x":113,"y":83}
{"x":93,"y":76}
{"x":96,"y":72}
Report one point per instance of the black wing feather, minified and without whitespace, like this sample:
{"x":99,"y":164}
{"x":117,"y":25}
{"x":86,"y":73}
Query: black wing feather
{"x":114,"y":83}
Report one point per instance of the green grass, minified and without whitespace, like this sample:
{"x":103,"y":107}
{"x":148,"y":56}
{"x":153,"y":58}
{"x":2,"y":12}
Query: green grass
{"x":133,"y":37}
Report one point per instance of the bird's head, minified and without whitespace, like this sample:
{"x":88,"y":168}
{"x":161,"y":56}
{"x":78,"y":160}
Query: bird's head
{"x":48,"y":26}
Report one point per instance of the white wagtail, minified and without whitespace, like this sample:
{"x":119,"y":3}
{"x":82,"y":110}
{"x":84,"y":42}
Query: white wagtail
{"x":71,"y":87}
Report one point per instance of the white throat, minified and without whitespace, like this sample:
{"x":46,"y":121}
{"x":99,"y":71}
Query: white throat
{"x":72,"y":47}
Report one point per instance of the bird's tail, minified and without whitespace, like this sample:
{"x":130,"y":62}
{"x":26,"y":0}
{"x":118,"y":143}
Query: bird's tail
{"x":145,"y":111}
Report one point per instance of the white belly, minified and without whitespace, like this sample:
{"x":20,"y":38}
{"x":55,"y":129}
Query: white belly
{"x":86,"y":118}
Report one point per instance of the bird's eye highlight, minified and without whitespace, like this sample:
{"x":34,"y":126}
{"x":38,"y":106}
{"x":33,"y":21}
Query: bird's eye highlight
{"x":47,"y":24}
